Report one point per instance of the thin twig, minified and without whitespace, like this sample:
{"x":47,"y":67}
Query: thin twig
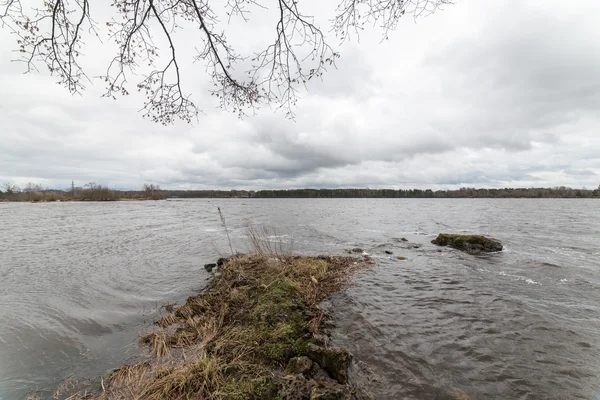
{"x":226,"y":230}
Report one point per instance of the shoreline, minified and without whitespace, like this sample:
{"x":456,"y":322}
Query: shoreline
{"x":126,"y":199}
{"x":4,"y":201}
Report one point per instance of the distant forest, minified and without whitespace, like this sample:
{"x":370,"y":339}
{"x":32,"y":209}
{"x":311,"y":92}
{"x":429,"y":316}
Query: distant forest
{"x":93,"y":192}
{"x":557,"y":192}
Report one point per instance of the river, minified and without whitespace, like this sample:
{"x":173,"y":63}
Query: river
{"x":80,"y":281}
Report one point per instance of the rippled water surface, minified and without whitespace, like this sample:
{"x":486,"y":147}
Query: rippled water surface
{"x":79,"y":281}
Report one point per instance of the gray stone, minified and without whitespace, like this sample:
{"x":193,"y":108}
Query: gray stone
{"x":317,"y":373}
{"x":299,"y":365}
{"x":329,"y":390}
{"x":335,"y":361}
{"x":295,"y":387}
{"x":209,"y":267}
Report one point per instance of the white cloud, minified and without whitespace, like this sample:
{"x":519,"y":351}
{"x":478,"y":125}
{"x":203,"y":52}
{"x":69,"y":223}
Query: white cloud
{"x":480,"y":94}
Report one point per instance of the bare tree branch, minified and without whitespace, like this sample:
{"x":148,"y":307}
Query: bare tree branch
{"x":52,"y":36}
{"x":354,"y":15}
{"x":299,"y":51}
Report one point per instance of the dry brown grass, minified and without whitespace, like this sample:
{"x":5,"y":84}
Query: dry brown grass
{"x":128,"y":373}
{"x":266,"y":241}
{"x":232,"y":339}
{"x":167,"y":320}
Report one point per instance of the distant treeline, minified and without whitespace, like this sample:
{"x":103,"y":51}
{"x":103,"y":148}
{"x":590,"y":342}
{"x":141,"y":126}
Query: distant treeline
{"x":557,"y":192}
{"x":207,"y":194}
{"x":93,"y":192}
{"x":90,"y":192}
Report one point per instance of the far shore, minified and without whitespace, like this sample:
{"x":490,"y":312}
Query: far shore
{"x":100,"y":193}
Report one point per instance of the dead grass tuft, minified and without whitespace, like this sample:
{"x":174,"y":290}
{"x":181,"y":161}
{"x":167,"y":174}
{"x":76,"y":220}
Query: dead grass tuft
{"x":129,"y":373}
{"x":265,"y":241}
{"x":167,"y":320}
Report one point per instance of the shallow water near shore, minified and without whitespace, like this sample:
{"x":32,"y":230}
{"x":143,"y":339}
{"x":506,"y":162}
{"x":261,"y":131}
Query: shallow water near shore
{"x":80,"y":281}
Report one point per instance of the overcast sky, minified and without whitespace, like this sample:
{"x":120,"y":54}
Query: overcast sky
{"x":482,"y":94}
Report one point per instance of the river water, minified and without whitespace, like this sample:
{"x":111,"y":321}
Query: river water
{"x":80,"y":281}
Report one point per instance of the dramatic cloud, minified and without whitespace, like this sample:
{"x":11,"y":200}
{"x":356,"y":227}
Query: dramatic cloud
{"x":479,"y":94}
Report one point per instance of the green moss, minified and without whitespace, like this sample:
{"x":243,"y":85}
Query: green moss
{"x":445,"y":239}
{"x":276,"y":324}
{"x":280,"y":352}
{"x":473,"y":244}
{"x":250,"y":389}
{"x":278,"y":302}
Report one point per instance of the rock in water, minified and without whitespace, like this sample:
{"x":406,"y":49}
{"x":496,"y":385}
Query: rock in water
{"x":209,"y":267}
{"x":472,"y":244}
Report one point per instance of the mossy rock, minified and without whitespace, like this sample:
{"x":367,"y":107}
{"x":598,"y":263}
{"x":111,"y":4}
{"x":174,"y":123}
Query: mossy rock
{"x":299,"y":365}
{"x":329,"y":390}
{"x":472,"y":244}
{"x":335,"y":361}
{"x":295,"y":387}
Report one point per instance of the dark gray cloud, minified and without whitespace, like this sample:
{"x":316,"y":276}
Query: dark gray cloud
{"x":502,"y":94}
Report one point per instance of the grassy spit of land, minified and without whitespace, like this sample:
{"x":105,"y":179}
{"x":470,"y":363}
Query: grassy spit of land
{"x":235,"y":340}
